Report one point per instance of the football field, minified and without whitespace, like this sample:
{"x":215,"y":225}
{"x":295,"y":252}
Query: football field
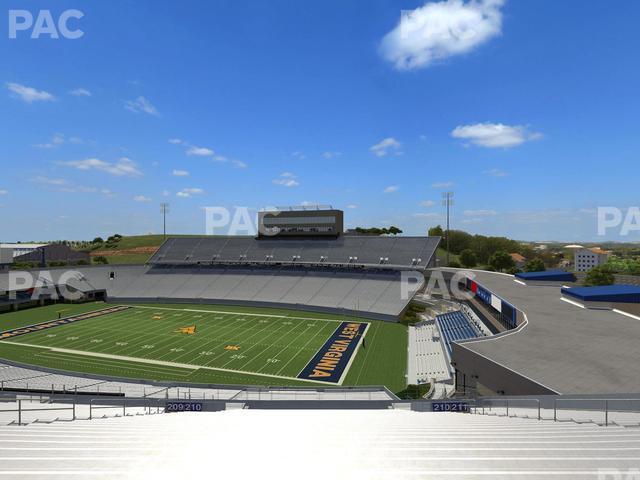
{"x":198,"y":343}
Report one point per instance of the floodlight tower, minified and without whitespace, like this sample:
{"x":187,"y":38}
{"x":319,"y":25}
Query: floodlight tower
{"x":164,"y":209}
{"x":447,"y":201}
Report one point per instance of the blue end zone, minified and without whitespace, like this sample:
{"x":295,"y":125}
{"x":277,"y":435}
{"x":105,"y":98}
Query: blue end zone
{"x":333,"y":357}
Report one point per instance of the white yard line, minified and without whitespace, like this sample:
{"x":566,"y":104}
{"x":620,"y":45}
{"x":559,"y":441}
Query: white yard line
{"x":300,"y":350}
{"x":353,"y":355}
{"x":159,"y":362}
{"x":237,"y":313}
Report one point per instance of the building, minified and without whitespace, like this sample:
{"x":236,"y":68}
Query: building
{"x":301,"y":221}
{"x":54,"y":252}
{"x":22,"y":248}
{"x":6,"y":257}
{"x":518,"y":259}
{"x":587,"y":258}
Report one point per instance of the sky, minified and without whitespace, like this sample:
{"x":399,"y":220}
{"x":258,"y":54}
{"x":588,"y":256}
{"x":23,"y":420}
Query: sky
{"x":528,"y":111}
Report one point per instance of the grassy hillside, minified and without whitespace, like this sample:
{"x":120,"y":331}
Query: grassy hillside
{"x":135,"y":249}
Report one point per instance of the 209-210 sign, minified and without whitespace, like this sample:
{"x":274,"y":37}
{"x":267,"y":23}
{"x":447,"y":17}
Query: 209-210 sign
{"x":183,"y":407}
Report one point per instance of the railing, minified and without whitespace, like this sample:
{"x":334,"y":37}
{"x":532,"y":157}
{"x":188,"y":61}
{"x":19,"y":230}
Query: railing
{"x":480,"y":403}
{"x":149,"y":407}
{"x":116,"y":403}
{"x":602,"y":408}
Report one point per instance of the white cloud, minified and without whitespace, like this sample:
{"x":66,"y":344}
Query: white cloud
{"x":189,"y":192}
{"x":287,"y":179}
{"x":391,"y":189}
{"x":439,"y":30}
{"x":56,"y":141}
{"x":425,"y":215}
{"x":299,"y":155}
{"x":330,"y":155}
{"x":123,"y":167}
{"x":352,"y":206}
{"x":200,"y":151}
{"x":495,"y":135}
{"x":141,"y":105}
{"x":180,"y":173}
{"x":29,"y":94}
{"x":194,"y":150}
{"x":141,"y":198}
{"x":386,"y":146}
{"x":479,"y":213}
{"x":239,"y":164}
{"x":49,"y":181}
{"x":3,"y":192}
{"x":427,"y":203}
{"x":442,"y":185}
{"x":80,"y":92}
{"x":63,"y":185}
{"x":496,"y":172}
{"x":166,"y":193}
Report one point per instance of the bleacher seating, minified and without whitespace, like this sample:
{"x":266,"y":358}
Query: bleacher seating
{"x":456,"y":326}
{"x":417,"y":252}
{"x":382,"y":445}
{"x":427,"y":360}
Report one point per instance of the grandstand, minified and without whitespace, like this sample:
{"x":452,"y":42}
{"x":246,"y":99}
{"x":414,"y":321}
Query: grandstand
{"x":427,"y":360}
{"x":383,"y":252}
{"x":349,"y":275}
{"x":456,"y":326}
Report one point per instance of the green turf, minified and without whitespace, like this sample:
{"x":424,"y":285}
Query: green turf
{"x":274,"y":345}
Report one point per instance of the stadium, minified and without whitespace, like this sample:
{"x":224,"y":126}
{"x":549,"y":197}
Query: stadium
{"x":296,"y":319}
{"x":387,"y":240}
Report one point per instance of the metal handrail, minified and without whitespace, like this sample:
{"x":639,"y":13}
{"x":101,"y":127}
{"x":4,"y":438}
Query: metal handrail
{"x":605,"y":404}
{"x":123,"y":402}
{"x":149,"y":404}
{"x":507,"y":401}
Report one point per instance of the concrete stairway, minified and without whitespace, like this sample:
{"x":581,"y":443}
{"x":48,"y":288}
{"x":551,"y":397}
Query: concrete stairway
{"x":319,"y":444}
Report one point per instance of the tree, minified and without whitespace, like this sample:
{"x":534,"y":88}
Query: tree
{"x":436,"y":231}
{"x":393,"y":230}
{"x":534,"y":265}
{"x":100,"y":260}
{"x":454,"y":264}
{"x":598,"y":276}
{"x":468,"y":259}
{"x":98,"y":240}
{"x":501,"y":260}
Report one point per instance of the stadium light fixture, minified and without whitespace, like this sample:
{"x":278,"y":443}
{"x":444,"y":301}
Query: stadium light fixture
{"x":164,"y":209}
{"x":447,"y":201}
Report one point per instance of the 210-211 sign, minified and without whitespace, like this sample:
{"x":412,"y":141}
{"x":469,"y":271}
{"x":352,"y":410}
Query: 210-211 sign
{"x":449,"y":407}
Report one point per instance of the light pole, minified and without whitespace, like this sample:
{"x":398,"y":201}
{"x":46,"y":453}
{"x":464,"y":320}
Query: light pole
{"x":164,"y":209}
{"x":447,"y":201}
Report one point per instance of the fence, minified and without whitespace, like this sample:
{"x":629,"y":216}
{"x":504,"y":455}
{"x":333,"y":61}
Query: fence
{"x":601,"y":411}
